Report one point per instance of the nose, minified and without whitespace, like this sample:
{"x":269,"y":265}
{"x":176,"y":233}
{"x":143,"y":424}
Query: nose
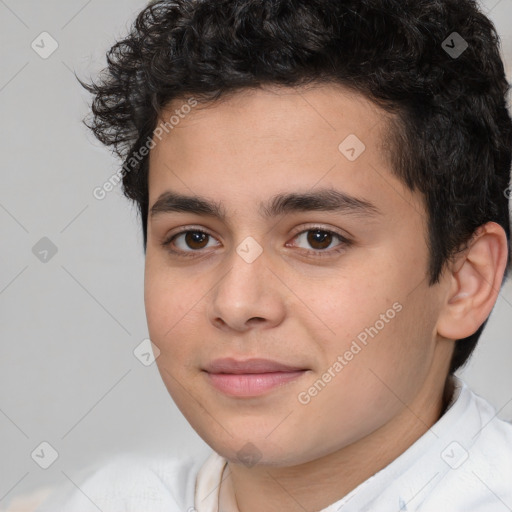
{"x":248,"y":295}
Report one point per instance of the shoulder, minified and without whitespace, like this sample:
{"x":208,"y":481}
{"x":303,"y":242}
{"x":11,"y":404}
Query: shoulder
{"x":491,"y":443}
{"x":489,"y":458}
{"x":130,"y":482}
{"x":479,"y":464}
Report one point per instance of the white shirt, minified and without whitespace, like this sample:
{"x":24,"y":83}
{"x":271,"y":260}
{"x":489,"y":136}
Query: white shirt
{"x":462,"y":464}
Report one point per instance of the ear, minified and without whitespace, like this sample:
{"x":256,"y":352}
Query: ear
{"x":475,"y":278}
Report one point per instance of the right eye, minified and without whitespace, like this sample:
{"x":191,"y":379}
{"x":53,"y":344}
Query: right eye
{"x":190,"y":238}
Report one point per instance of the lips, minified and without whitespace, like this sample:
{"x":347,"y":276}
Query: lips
{"x":256,"y":365}
{"x":250,"y":378}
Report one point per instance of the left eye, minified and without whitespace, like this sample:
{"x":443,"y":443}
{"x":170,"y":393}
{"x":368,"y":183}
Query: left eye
{"x":320,"y":239}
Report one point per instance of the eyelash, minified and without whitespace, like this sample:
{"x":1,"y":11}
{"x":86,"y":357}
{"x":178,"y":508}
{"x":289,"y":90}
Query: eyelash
{"x":345,"y":243}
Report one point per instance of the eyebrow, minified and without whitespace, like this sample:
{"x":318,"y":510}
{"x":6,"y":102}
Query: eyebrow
{"x":327,"y":200}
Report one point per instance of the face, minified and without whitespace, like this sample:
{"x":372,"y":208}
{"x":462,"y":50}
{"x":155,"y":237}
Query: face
{"x":329,"y":288}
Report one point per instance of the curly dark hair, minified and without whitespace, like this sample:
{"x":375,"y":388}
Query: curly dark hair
{"x":452,"y":134}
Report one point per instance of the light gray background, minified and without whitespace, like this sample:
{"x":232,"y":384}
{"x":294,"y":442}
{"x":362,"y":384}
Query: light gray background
{"x":69,"y":326}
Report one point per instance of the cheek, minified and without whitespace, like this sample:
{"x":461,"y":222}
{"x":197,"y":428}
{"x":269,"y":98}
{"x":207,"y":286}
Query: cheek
{"x":385,"y":362}
{"x":170,"y":301}
{"x":378,"y":327}
{"x":171,"y":319}
{"x":172,"y":326}
{"x":339,"y":308}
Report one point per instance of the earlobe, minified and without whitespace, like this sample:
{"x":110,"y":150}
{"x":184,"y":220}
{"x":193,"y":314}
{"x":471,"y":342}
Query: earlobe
{"x":475,"y":281}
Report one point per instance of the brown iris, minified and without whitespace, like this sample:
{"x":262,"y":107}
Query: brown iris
{"x":319,"y":236}
{"x":196,"y":237}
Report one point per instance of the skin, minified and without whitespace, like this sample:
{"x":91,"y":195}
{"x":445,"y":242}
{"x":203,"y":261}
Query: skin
{"x":296,"y":307}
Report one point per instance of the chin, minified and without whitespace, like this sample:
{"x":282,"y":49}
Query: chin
{"x":260,"y":450}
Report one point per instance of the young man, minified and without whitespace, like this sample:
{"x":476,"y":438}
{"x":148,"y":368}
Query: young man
{"x":323,"y":193}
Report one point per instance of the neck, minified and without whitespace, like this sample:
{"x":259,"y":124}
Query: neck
{"x":315,"y":485}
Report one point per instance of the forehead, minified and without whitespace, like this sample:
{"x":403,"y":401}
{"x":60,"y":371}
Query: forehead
{"x":295,"y":113}
{"x":260,"y":142}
